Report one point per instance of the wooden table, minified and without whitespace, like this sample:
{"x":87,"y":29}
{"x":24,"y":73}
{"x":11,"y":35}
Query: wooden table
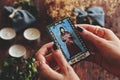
{"x":85,"y":69}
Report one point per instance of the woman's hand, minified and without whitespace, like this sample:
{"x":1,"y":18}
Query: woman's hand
{"x":46,"y":63}
{"x":104,"y":44}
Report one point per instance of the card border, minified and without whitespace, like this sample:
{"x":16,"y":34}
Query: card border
{"x":78,"y":56}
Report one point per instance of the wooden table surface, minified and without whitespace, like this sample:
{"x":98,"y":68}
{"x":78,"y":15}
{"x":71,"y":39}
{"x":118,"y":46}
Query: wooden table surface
{"x":86,"y":69}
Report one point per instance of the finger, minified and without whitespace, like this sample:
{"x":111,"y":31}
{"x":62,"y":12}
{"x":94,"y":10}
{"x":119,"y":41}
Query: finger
{"x":45,"y":49}
{"x":43,"y":66}
{"x":97,"y":30}
{"x":88,"y":27}
{"x":109,"y":35}
{"x":60,"y":59}
{"x":46,"y":70}
{"x":87,"y":35}
{"x":51,"y":61}
{"x":101,"y":32}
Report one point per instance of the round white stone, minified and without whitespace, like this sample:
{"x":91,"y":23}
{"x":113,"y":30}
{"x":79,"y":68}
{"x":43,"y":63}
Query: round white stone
{"x":31,"y":34}
{"x":17,"y":51}
{"x":7,"y":33}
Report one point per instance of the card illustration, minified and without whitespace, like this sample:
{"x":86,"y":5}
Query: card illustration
{"x":64,"y":35}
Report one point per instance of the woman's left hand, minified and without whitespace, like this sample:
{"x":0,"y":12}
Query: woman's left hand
{"x":65,"y":71}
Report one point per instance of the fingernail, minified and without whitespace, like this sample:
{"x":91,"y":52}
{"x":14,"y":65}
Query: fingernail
{"x":55,"y":47}
{"x":79,"y":29}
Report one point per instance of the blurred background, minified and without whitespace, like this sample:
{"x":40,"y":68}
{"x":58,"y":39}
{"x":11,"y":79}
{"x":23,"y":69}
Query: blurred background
{"x":52,"y":10}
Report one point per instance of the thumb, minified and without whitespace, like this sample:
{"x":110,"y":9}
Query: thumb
{"x":46,"y":70}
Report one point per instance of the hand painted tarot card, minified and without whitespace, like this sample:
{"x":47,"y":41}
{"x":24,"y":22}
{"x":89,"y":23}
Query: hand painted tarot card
{"x":66,"y":38}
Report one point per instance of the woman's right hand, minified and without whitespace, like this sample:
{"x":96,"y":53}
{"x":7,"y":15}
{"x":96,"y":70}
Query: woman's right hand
{"x":104,"y":43}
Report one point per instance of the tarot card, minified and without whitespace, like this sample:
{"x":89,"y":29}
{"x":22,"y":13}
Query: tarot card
{"x":66,"y":38}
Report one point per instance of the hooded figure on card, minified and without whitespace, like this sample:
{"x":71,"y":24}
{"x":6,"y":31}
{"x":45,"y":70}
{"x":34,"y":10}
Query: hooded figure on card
{"x":68,"y":39}
{"x":20,"y":18}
